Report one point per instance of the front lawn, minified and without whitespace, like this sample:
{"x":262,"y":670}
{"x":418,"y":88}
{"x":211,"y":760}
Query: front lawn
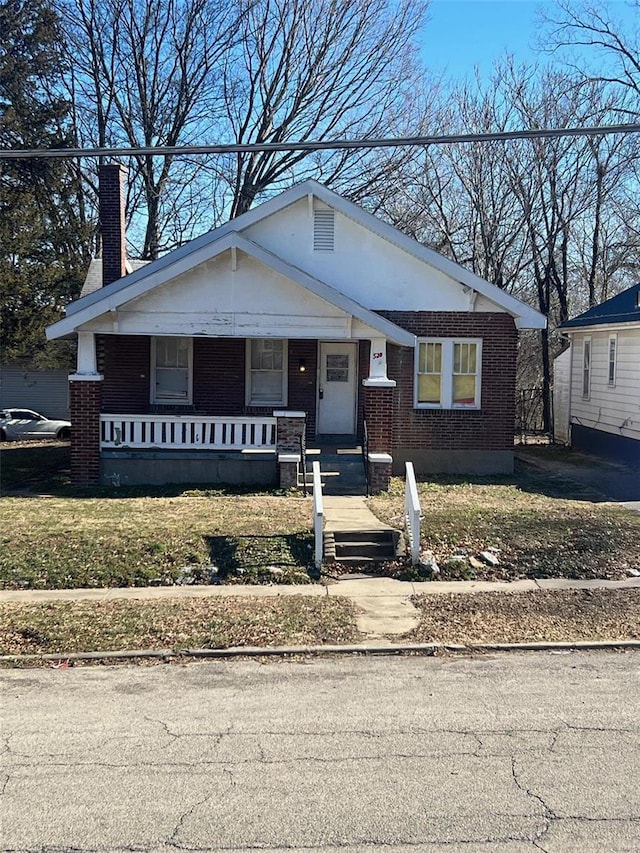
{"x":213,"y":623}
{"x":110,"y":537}
{"x":537,"y":528}
{"x":502,"y":617}
{"x":64,"y":542}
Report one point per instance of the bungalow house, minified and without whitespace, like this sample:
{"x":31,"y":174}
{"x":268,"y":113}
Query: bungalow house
{"x":597,"y":380}
{"x":304,"y":322}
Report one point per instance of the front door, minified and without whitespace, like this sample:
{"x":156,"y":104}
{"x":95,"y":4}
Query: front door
{"x":337,"y":388}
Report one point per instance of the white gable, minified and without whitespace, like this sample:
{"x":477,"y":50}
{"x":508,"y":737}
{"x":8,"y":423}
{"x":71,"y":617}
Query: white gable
{"x":261,"y":272}
{"x":236,"y":294}
{"x":366,"y":267}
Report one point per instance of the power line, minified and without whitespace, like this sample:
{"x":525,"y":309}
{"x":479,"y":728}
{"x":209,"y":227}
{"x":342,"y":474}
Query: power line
{"x":329,"y":145}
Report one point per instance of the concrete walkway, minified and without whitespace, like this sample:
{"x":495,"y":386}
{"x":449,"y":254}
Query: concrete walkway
{"x":349,"y":513}
{"x":383,"y":603}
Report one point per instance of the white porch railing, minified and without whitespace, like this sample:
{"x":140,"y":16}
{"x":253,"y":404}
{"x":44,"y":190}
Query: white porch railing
{"x":412,"y":512}
{"x":318,"y":514}
{"x":186,"y":432}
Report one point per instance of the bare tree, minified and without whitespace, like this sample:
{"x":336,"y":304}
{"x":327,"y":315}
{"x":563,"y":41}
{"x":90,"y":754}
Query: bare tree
{"x":318,"y":70}
{"x":145,"y":73}
{"x":550,"y":220}
{"x":615,"y":45}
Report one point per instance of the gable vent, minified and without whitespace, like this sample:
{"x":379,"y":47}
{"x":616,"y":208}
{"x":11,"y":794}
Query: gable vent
{"x":323,"y":230}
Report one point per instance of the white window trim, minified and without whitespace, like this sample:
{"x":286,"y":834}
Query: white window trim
{"x":586,"y":386}
{"x":612,"y":379}
{"x":446,"y":384}
{"x":171,"y":402}
{"x":285,"y":375}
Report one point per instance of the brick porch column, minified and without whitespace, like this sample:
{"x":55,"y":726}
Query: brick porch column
{"x":378,"y":412}
{"x":291,"y":432}
{"x":85,"y":398}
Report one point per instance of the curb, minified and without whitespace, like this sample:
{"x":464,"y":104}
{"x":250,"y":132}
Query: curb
{"x":429,"y":649}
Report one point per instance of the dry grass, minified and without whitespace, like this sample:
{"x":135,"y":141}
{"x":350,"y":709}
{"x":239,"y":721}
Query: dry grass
{"x":502,"y":617}
{"x":62,"y":542}
{"x":537,"y":528}
{"x":80,"y":626}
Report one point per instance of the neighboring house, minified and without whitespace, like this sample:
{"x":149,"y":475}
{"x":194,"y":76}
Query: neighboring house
{"x":305,"y":321}
{"x":25,"y":387}
{"x":597,"y":380}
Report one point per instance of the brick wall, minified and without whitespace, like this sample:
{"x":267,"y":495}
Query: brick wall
{"x":489,"y":428}
{"x":302,"y":386}
{"x":123,"y":360}
{"x":219,"y":383}
{"x":85,"y":402}
{"x":218,"y":377}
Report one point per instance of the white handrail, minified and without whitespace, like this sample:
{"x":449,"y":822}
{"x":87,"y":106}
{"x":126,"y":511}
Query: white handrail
{"x":412,"y":512}
{"x":318,"y":514}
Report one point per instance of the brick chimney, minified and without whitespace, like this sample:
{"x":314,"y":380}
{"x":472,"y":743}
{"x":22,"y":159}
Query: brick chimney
{"x":112,"y":226}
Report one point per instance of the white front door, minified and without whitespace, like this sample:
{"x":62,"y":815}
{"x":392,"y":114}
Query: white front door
{"x":337,"y":383}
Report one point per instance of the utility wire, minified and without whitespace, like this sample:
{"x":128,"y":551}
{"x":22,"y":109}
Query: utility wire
{"x":329,"y":145}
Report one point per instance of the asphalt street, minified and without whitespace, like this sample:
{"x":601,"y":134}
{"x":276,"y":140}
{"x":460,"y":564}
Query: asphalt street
{"x":511,"y":753}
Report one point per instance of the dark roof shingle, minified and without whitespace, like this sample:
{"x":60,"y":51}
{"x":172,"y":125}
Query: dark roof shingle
{"x":623,"y":308}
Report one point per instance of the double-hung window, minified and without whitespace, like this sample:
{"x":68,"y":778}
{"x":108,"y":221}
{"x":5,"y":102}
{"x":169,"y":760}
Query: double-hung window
{"x":586,"y":367}
{"x":448,"y":373}
{"x":266,"y":372}
{"x":171,"y":374}
{"x":613,"y":347}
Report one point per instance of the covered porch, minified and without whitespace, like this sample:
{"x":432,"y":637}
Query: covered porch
{"x":188,"y":373}
{"x":207,"y":419}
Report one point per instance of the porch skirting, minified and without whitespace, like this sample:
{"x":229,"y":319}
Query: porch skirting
{"x":427,"y":461}
{"x":163,"y":467}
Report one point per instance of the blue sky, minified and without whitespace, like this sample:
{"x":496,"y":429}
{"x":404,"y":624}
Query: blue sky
{"x":464,"y":33}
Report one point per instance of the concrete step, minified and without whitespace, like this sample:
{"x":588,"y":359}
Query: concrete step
{"x":381,"y":535}
{"x":364,"y":551}
{"x":359,"y":547}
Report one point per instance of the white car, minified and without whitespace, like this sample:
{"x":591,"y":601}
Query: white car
{"x":24,"y":425}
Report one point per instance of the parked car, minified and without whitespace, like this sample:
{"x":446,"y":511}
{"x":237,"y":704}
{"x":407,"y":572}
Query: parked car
{"x":24,"y":424}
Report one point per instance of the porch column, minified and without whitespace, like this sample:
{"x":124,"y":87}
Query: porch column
{"x":85,"y":403}
{"x":290,"y":443}
{"x":378,"y":412}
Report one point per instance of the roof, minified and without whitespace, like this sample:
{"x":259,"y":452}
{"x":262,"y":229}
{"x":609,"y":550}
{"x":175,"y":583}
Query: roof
{"x":209,"y":245}
{"x":93,"y":278}
{"x":623,"y":308}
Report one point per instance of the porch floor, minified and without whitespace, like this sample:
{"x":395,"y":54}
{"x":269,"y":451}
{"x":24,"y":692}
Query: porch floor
{"x":341,"y":468}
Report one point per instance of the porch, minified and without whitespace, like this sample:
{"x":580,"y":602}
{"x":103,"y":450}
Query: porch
{"x":159,"y":449}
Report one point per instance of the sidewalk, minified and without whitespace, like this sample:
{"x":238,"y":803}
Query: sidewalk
{"x":384,"y":604}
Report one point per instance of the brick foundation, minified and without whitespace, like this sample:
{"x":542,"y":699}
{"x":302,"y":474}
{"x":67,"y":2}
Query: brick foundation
{"x":85,"y":399}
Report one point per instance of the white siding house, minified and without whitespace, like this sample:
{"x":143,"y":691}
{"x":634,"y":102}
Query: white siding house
{"x":604,"y":408}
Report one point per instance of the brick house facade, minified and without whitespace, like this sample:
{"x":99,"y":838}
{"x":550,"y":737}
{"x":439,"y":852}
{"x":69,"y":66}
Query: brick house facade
{"x":197,"y":366}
